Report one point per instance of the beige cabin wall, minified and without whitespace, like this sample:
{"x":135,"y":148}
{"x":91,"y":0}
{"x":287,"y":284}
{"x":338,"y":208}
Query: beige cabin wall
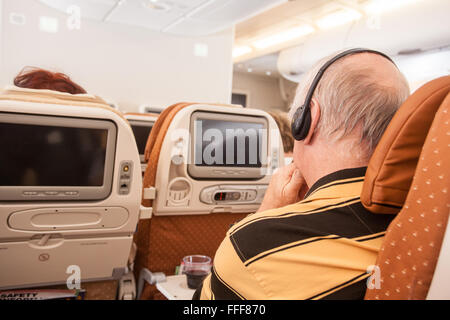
{"x":263,"y":92}
{"x":127,"y":65}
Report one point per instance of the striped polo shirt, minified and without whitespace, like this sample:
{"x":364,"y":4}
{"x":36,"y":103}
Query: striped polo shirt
{"x":319,"y":248}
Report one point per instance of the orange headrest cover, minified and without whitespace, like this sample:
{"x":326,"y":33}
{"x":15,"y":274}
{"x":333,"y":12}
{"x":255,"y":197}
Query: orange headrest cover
{"x":392,"y":166}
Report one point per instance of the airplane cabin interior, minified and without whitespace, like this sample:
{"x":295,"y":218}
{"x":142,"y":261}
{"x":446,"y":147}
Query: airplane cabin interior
{"x":144,"y":143}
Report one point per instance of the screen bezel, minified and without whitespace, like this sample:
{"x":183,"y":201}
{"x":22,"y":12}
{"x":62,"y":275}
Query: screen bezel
{"x":228,"y":172}
{"x":139,"y":123}
{"x":16,"y":193}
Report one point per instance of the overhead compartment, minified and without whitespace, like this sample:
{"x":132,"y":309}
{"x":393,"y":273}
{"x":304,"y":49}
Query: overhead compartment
{"x":421,"y":26}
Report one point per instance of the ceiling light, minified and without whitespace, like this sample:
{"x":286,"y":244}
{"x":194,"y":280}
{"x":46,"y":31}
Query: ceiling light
{"x":48,"y":24}
{"x":284,"y":36}
{"x":156,"y":5}
{"x":201,"y":50}
{"x":240,"y":51}
{"x":338,"y":18}
{"x":379,"y":6}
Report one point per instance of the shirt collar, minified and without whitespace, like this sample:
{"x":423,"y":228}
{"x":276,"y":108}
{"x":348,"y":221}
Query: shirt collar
{"x":336,"y":176}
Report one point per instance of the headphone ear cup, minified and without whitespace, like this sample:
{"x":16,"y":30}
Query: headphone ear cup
{"x":301,"y":124}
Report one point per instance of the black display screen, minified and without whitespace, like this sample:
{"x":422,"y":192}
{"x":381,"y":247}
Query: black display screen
{"x":141,"y":134}
{"x":228,"y":143}
{"x":35,"y":155}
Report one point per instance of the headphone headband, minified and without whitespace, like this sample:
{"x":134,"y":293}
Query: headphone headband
{"x":301,"y":122}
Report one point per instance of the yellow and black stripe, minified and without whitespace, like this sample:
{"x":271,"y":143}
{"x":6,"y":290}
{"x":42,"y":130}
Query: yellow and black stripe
{"x":319,"y":248}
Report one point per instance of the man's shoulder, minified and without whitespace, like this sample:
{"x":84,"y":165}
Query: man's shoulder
{"x":301,"y":208}
{"x":306,"y":221}
{"x":271,"y":229}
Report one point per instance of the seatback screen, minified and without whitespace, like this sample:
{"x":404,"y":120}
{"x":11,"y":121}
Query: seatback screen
{"x":141,"y":134}
{"x":228,"y":143}
{"x":39,"y":155}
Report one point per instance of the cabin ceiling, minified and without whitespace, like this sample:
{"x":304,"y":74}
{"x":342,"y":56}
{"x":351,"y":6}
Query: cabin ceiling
{"x":314,"y":26}
{"x":309,"y":30}
{"x":180,"y":17}
{"x":290,"y":15}
{"x":286,"y":14}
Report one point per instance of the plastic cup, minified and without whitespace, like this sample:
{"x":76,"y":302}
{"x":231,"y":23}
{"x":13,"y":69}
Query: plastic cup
{"x":196,"y":268}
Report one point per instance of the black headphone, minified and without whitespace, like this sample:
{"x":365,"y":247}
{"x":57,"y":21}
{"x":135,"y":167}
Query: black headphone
{"x":301,"y":122}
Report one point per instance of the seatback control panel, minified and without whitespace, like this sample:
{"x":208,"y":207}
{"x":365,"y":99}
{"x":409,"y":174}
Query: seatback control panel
{"x":233,"y":194}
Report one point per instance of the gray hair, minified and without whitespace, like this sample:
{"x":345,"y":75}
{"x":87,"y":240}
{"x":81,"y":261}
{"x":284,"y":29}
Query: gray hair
{"x":350,"y":98}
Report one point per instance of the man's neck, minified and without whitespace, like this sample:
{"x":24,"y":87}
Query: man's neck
{"x":326,"y":159}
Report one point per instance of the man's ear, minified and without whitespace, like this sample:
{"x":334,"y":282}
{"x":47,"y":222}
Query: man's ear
{"x":315,"y":117}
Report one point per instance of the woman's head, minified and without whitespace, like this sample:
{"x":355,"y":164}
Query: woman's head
{"x":36,"y":78}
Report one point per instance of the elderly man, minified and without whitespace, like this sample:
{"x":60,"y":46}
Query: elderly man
{"x":312,"y":238}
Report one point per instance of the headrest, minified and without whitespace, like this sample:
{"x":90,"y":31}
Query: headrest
{"x":48,"y":94}
{"x":54,"y":97}
{"x":153,"y":115}
{"x":392,"y":166}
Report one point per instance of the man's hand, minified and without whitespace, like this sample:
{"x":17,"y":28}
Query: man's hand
{"x":286,"y":187}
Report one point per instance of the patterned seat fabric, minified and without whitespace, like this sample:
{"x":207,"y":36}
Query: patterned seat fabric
{"x":412,"y":244}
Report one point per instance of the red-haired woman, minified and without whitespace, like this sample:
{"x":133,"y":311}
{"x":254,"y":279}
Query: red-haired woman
{"x":35,"y":78}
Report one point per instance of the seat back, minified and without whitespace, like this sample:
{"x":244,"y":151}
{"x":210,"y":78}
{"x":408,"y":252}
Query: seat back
{"x":184,"y":220}
{"x":408,"y":174}
{"x":70,"y":188}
